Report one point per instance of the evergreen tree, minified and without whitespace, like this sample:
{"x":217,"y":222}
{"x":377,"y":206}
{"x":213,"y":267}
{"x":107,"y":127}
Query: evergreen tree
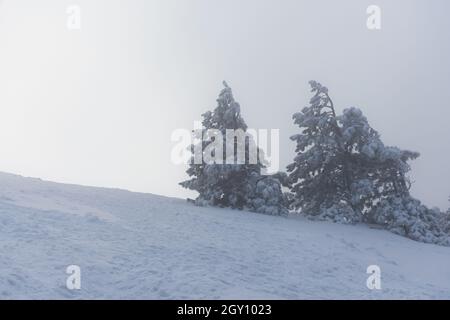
{"x":230,"y":182}
{"x":321,"y":175}
{"x":342,"y":167}
{"x":343,"y":172}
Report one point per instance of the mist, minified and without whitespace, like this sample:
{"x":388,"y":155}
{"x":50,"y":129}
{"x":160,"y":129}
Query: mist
{"x":97,"y":106}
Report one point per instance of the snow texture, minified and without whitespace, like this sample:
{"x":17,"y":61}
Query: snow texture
{"x":141,"y":246}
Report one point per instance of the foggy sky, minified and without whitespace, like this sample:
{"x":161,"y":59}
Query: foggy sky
{"x":97,"y":106}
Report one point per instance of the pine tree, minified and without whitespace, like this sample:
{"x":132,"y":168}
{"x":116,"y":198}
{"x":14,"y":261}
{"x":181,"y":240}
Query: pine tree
{"x":233,"y":184}
{"x":343,"y":172}
{"x":320,"y":174}
{"x":342,"y":167}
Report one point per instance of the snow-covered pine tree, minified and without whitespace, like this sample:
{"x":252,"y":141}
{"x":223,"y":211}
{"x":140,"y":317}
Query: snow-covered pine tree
{"x":343,"y":172}
{"x":342,"y":167}
{"x":234,"y":185}
{"x":320,"y":173}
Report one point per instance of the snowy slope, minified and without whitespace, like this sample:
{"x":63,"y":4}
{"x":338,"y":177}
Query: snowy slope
{"x":132,"y":245}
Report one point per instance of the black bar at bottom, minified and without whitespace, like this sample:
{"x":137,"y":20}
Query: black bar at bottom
{"x":224,"y":309}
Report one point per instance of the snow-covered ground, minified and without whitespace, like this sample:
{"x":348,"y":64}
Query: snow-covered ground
{"x":141,"y":246}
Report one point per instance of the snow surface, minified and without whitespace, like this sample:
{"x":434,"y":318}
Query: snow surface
{"x":142,"y":246}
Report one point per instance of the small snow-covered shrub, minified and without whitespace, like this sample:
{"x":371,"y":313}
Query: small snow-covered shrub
{"x":407,"y":217}
{"x":340,"y":213}
{"x":266,"y":196}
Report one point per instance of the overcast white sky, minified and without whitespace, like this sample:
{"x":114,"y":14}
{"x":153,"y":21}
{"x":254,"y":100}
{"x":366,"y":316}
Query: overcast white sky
{"x":97,"y":106}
